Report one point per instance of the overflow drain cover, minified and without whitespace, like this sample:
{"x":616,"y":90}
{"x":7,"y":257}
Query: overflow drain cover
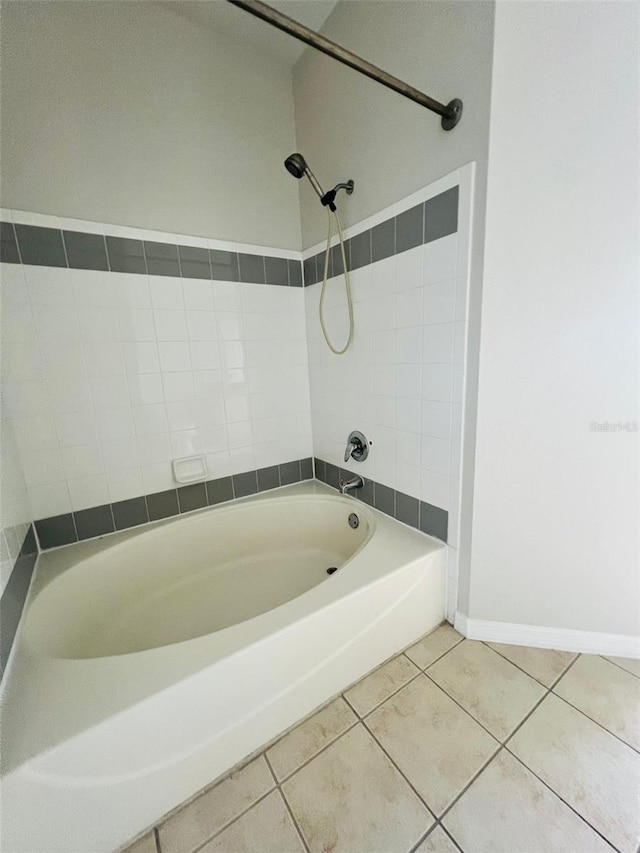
{"x":354,"y":521}
{"x":332,"y":569}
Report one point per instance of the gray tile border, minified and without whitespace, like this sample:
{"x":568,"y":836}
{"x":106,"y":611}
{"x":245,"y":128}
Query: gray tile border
{"x":384,"y":499}
{"x":268,"y":478}
{"x":41,"y":246}
{"x":224,"y":265}
{"x":441,"y":215}
{"x":56,"y":530}
{"x":251,"y":268}
{"x":434,"y":521}
{"x":310,"y":272}
{"x":360,"y":250}
{"x":9,"y":253}
{"x":130,"y":513}
{"x":276,"y":271}
{"x":193,"y":496}
{"x":126,"y":255}
{"x":289,"y":473}
{"x":405,"y":508}
{"x":245,"y":484}
{"x":383,"y":240}
{"x":69,"y":528}
{"x":163,"y":505}
{"x":30,"y":244}
{"x":85,"y":251}
{"x":295,"y":273}
{"x":93,"y":522}
{"x":410,"y":228}
{"x":14,"y":595}
{"x":162,"y":259}
{"x":219,"y":491}
{"x":194,"y":262}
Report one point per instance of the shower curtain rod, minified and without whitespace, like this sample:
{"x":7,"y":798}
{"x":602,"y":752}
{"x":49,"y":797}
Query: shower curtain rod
{"x":450,"y":112}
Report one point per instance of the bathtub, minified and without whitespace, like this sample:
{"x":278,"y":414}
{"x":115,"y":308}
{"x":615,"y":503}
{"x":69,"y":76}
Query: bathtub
{"x":149,"y":662}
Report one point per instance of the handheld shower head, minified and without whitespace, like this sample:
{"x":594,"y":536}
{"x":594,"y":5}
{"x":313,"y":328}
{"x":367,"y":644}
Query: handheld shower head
{"x":296,"y":165}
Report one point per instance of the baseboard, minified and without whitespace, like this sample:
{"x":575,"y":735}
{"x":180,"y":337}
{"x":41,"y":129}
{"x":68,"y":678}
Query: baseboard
{"x":537,"y":636}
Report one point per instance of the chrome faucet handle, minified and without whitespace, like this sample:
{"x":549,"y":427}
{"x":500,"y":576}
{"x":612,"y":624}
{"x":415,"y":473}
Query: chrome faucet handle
{"x":351,"y":447}
{"x":357,"y":447}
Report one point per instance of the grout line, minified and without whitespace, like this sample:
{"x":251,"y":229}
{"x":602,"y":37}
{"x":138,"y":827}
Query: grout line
{"x":600,"y":725}
{"x":487,"y":643}
{"x":608,"y":660}
{"x":316,"y":754}
{"x":218,"y":832}
{"x":156,"y":838}
{"x":435,"y":660}
{"x":449,"y":835}
{"x":562,"y":800}
{"x":287,"y":806}
{"x":390,"y":696}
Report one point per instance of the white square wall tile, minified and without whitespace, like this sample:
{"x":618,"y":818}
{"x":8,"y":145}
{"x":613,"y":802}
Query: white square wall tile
{"x":136,"y":324}
{"x":141,"y":357}
{"x":81,"y":460}
{"x":145,"y":388}
{"x":114,"y":424}
{"x":197,"y":294}
{"x":49,"y":285}
{"x":174,"y":356}
{"x":170,"y":325}
{"x":76,"y":428}
{"x":408,"y":346}
{"x":434,"y":488}
{"x":88,"y":491}
{"x":93,"y":288}
{"x":110,"y":392}
{"x":440,"y":259}
{"x":201,"y":326}
{"x":104,"y":358}
{"x":178,"y":386}
{"x":439,"y":302}
{"x":437,"y":343}
{"x":49,"y":499}
{"x":434,"y":453}
{"x":408,"y":308}
{"x":166,"y":292}
{"x":150,"y":420}
{"x":436,"y":419}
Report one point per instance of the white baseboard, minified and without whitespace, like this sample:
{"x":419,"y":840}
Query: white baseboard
{"x":537,"y":636}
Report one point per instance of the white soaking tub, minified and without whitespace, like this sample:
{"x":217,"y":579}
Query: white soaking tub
{"x":149,"y":662}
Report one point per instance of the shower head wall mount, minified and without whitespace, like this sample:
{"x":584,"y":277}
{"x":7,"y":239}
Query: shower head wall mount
{"x":297,"y":166}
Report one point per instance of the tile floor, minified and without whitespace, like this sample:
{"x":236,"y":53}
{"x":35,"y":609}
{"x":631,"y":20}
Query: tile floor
{"x":454,"y":745}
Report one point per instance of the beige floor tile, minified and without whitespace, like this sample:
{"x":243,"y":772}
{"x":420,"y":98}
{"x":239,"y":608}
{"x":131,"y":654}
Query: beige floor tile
{"x":594,"y":772}
{"x":545,"y":665}
{"x":267,"y":828}
{"x":147,"y":844}
{"x":186,"y":830}
{"x":375,"y":688}
{"x":508,"y":810}
{"x":630,"y":664}
{"x":437,"y":842}
{"x":437,"y":746}
{"x":607,"y":694}
{"x":490,"y":688}
{"x":307,"y":739}
{"x":351,"y":798}
{"x":433,"y":646}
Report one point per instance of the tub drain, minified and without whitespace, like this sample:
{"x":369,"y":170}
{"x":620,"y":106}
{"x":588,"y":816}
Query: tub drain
{"x":332,"y":569}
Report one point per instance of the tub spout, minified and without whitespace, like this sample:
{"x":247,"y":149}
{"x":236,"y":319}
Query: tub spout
{"x":351,"y":485}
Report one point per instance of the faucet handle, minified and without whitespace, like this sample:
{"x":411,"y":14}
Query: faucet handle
{"x":357,"y":447}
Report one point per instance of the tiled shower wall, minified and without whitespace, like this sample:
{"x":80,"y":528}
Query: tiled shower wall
{"x":125,"y":352}
{"x":401,"y":382}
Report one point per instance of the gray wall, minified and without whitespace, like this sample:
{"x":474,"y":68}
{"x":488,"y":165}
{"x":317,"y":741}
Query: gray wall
{"x":127,"y":113}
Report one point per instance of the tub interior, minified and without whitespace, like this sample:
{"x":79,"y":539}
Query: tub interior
{"x":193,"y":577}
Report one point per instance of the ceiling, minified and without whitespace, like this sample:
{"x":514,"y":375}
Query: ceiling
{"x":221,"y":16}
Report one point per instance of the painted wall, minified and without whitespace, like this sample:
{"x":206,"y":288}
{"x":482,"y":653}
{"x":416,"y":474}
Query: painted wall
{"x":555,"y":528}
{"x":127,"y":113}
{"x":348,"y":126}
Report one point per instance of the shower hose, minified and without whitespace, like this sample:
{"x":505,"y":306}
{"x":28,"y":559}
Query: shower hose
{"x":347,"y":287}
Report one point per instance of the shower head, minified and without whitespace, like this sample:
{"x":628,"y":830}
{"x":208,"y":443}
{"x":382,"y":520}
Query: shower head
{"x":296,"y":165}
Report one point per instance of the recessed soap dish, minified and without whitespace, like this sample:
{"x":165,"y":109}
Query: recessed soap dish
{"x":189,"y":469}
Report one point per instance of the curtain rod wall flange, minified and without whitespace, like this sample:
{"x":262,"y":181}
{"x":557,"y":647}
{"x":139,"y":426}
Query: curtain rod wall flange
{"x":451,"y":112}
